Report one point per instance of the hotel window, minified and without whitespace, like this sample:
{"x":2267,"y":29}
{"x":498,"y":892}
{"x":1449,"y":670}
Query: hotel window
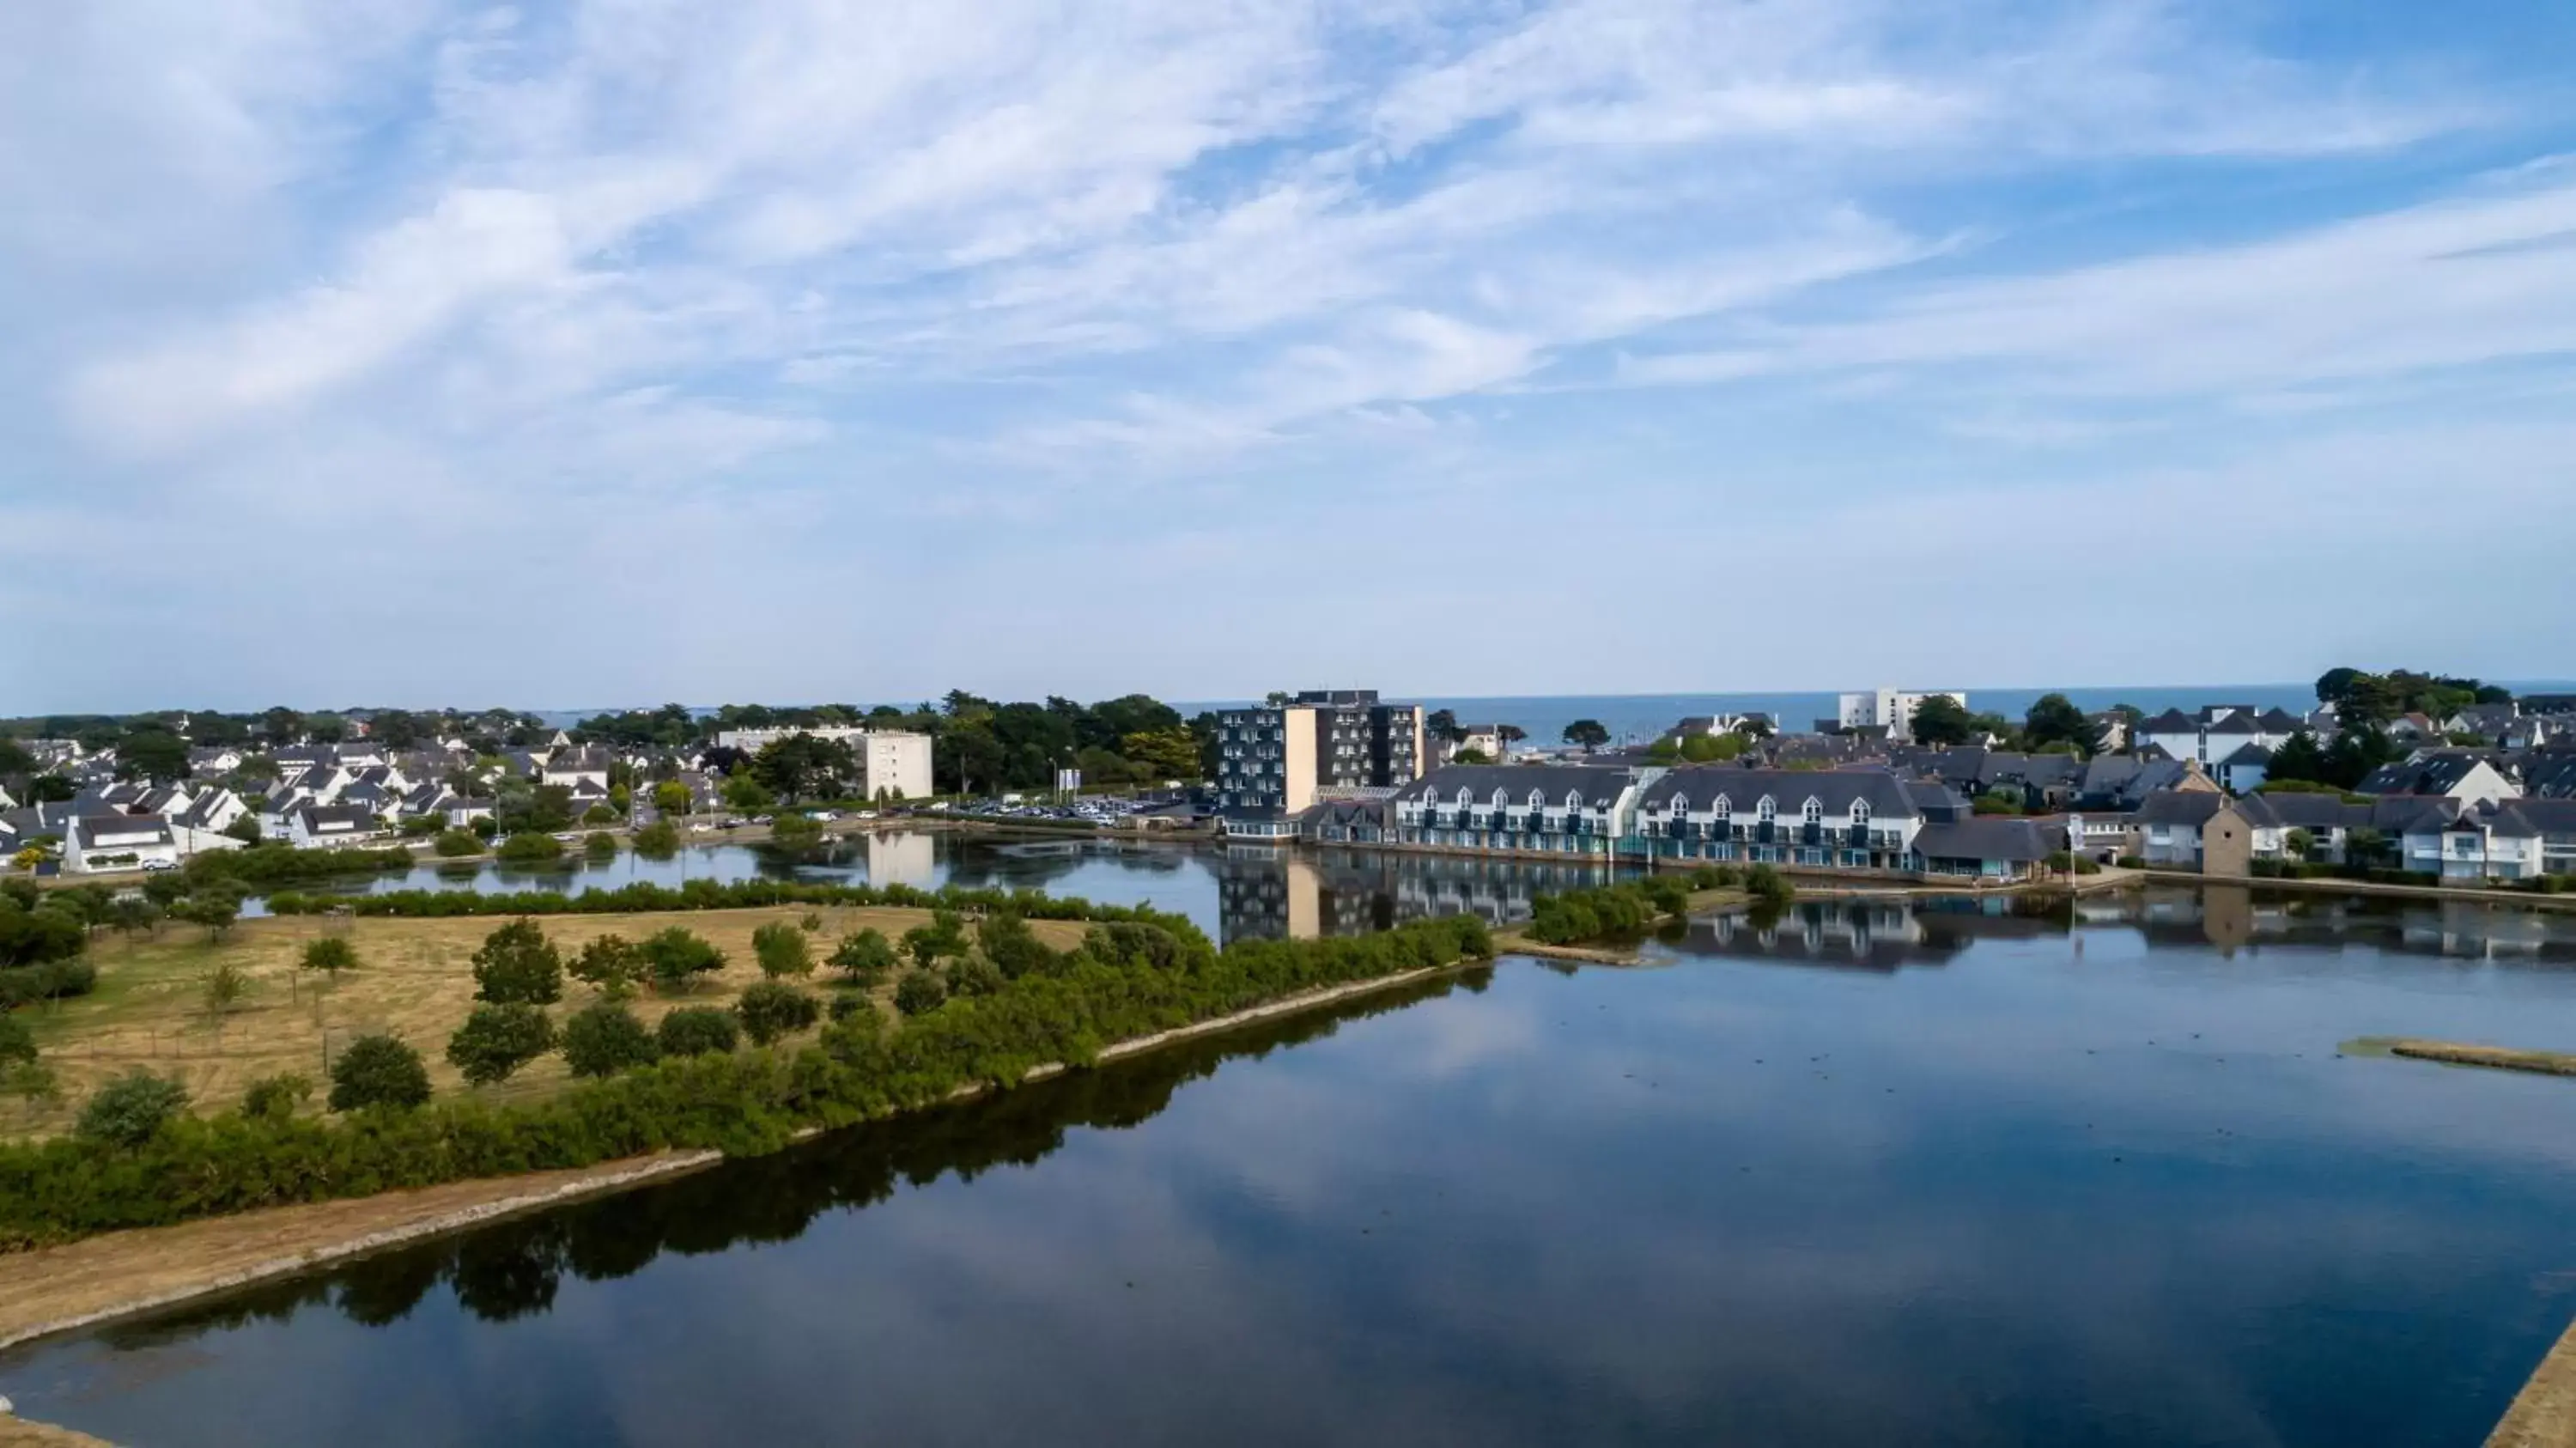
{"x":1814,"y":811}
{"x":1767,"y":811}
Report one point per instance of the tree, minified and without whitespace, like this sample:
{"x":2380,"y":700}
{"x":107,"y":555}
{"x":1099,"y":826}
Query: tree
{"x":1443,"y":724}
{"x":2334,"y":684}
{"x":919,"y":993}
{"x":944,"y":935}
{"x":131,"y":1110}
{"x":2299,"y":844}
{"x":152,"y":753}
{"x":1473,"y":756}
{"x":457,"y":844}
{"x":2300,"y":757}
{"x":530,"y":848}
{"x":51,"y":789}
{"x":165,"y":889}
{"x":773,"y":1008}
{"x":1588,"y":733}
{"x":742,"y":791}
{"x":1942,"y":720}
{"x":610,"y":964}
{"x":698,"y":1031}
{"x":671,"y":797}
{"x":866,"y":958}
{"x":331,"y":955}
{"x":1995,"y":804}
{"x":604,"y":1039}
{"x":496,"y":1040}
{"x":131,"y":913}
{"x":599,"y":847}
{"x":244,"y":829}
{"x":214,"y":909}
{"x":805,"y":766}
{"x":518,"y":965}
{"x":780,"y":950}
{"x":2054,"y":719}
{"x":1510,"y":734}
{"x":15,"y":761}
{"x":2355,"y":753}
{"x":2365,"y":846}
{"x":1168,"y":753}
{"x":658,"y":841}
{"x":677,"y":957}
{"x":378,"y":1071}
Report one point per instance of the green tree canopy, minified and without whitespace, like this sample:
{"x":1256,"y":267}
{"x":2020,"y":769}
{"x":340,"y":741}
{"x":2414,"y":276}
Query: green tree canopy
{"x":378,"y":1071}
{"x":496,"y":1040}
{"x":518,"y":965}
{"x":131,"y":1110}
{"x":604,"y":1039}
{"x":2054,"y":719}
{"x":1588,"y":733}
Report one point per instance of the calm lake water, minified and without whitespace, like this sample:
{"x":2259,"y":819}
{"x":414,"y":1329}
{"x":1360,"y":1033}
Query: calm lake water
{"x":1229,"y":891}
{"x":1865,"y":1174}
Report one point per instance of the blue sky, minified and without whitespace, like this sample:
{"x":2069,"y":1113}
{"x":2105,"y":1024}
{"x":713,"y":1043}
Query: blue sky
{"x":398,"y":352}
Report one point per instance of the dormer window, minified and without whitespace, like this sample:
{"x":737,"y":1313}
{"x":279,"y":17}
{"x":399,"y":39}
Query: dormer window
{"x":1462,"y":796}
{"x":1498,"y":797}
{"x":1574,"y":799}
{"x":1680,"y":805}
{"x":1723,"y":807}
{"x":1768,"y":810}
{"x":1814,"y":812}
{"x":1860,"y":812}
{"x":1537,"y":800}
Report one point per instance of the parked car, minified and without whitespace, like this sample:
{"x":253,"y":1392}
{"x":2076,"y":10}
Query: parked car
{"x":160,"y":864}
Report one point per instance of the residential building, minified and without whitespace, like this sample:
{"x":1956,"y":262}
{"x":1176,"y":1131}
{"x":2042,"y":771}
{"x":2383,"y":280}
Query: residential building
{"x":752,"y":741}
{"x":118,"y":842}
{"x":897,"y":762}
{"x":1273,"y":760}
{"x":319,"y":826}
{"x":2193,"y":830}
{"x":2482,"y":840}
{"x":1857,"y":819}
{"x":572,"y":768}
{"x":1535,"y":808}
{"x":2444,"y":775}
{"x":2218,"y":733}
{"x":1891,"y":710}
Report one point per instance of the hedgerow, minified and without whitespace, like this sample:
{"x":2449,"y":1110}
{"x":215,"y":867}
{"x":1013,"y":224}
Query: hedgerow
{"x":1129,"y":978}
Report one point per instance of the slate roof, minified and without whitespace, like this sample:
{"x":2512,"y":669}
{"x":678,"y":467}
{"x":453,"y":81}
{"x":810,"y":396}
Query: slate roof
{"x":2433,"y":774}
{"x":1599,"y":788}
{"x":1835,"y":789}
{"x":2014,"y":841}
{"x":104,"y":832}
{"x":2179,"y":807}
{"x":2550,"y":775}
{"x":336,"y":817}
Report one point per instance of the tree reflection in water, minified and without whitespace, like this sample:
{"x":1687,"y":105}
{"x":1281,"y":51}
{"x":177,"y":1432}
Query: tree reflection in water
{"x":512,"y":1269}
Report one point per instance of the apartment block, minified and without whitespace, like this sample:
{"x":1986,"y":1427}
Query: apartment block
{"x":1276,"y":759}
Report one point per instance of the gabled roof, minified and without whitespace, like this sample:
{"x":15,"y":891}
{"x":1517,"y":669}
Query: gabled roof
{"x":2281,"y":721}
{"x":1599,"y":788}
{"x":336,"y":817}
{"x":2179,"y":807}
{"x":2431,"y":774}
{"x":99,"y":832}
{"x":2171,"y":721}
{"x":1835,"y":789}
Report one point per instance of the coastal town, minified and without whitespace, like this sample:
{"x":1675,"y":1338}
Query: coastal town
{"x":2403,"y":779}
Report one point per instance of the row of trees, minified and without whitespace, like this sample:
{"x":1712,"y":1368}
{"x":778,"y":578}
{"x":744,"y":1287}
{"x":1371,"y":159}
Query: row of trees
{"x":2361,"y":697}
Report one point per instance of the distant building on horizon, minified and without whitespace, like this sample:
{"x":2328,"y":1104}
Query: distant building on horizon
{"x":1891,"y":710}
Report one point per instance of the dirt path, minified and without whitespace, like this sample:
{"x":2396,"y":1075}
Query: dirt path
{"x":19,"y":1433}
{"x":2543,"y":1414}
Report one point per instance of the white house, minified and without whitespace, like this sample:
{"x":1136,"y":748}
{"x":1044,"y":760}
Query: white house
{"x":1891,"y":709}
{"x":2484,"y":841}
{"x":1837,"y":819}
{"x":118,"y":842}
{"x":2442,"y":775}
{"x":2218,"y":734}
{"x":323,"y":826}
{"x":575,"y":767}
{"x":1550,"y":808}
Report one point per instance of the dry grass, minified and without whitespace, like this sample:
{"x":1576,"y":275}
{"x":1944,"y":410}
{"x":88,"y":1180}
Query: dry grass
{"x":415,"y":978}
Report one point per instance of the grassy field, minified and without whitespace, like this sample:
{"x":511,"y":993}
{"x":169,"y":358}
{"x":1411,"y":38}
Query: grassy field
{"x":415,"y":978}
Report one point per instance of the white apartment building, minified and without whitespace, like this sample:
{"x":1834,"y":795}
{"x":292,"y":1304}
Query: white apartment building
{"x":1892,"y":709}
{"x":897,"y":761}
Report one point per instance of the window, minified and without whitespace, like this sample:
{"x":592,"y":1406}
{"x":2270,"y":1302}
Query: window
{"x":1768,"y":810}
{"x":1536,"y":800}
{"x":1574,"y":799}
{"x":1814,"y":811}
{"x":1723,"y":807}
{"x":1498,"y":796}
{"x":1462,"y":796}
{"x":1860,"y":812}
{"x":1679,"y":805}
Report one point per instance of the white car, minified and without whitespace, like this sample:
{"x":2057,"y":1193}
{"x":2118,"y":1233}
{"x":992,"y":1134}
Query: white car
{"x":160,"y":864}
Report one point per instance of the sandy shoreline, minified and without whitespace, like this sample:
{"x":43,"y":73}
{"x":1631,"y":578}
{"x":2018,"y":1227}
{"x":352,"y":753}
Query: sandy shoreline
{"x":83,"y":1284}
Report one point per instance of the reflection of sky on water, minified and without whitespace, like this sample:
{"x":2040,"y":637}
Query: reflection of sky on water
{"x":2021,"y":1194}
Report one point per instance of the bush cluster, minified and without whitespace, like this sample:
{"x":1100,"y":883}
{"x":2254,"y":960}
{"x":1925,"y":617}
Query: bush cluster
{"x":1127,"y":979}
{"x":708,"y":895}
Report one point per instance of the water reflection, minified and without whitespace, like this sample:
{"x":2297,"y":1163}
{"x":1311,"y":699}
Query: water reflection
{"x":514,"y":1269}
{"x":1893,"y":932}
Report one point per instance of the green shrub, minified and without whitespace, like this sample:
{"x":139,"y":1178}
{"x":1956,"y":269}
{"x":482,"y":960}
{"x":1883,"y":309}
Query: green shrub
{"x":604,"y":1039}
{"x":658,"y":841}
{"x":496,"y":1040}
{"x":846,"y":1004}
{"x":677,"y":958}
{"x":54,"y":980}
{"x":276,"y":1098}
{"x":457,"y":844}
{"x":599,"y":846}
{"x":1768,"y":885}
{"x":773,"y":1008}
{"x":612,"y":964}
{"x":518,"y":965}
{"x":919,"y":993}
{"x":128,"y":1112}
{"x":331,"y":955}
{"x":865,"y":959}
{"x":698,"y":1031}
{"x":2132,"y":862}
{"x":781,"y":950}
{"x":17,"y":1043}
{"x":528,"y":847}
{"x":378,"y":1071}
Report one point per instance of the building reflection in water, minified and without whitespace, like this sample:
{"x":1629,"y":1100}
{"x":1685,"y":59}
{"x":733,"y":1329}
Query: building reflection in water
{"x":1891,"y":933}
{"x":1276,"y":892}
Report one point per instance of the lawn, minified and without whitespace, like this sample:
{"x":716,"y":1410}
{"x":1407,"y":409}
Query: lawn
{"x":415,"y":978}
